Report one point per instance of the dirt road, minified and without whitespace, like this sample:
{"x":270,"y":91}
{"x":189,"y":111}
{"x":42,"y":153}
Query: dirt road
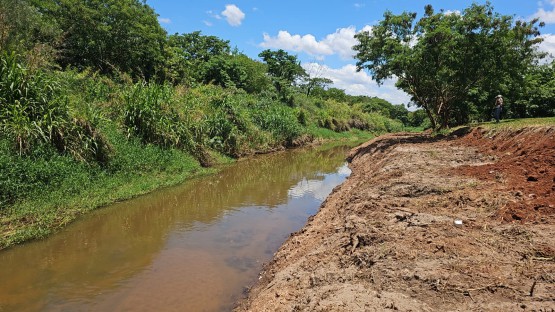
{"x":461,"y":223}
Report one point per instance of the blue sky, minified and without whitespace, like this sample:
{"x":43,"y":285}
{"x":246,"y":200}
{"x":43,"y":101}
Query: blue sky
{"x":320,"y":33}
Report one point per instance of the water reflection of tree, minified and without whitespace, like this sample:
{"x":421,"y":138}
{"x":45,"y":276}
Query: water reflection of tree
{"x":263,"y":181}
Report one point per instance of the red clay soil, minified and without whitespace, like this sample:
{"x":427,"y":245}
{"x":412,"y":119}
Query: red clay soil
{"x":525,"y":160}
{"x":427,"y":224}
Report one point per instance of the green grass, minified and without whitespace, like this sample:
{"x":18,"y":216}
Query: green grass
{"x":518,"y":123}
{"x":80,"y":188}
{"x":506,"y":124}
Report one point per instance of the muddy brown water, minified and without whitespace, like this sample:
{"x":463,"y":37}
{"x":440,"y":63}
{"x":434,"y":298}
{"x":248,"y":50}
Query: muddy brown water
{"x":194,"y":247}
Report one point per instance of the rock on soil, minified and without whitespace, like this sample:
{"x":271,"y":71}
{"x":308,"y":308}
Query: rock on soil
{"x":427,"y":224}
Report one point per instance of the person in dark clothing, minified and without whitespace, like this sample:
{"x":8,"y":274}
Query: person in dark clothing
{"x":498,"y":107}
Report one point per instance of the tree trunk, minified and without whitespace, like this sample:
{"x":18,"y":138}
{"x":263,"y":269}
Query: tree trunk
{"x":430,"y":116}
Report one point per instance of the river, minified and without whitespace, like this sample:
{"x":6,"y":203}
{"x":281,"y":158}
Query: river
{"x":192,"y":247}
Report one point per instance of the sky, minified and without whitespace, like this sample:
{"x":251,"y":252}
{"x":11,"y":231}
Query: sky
{"x":320,"y":33}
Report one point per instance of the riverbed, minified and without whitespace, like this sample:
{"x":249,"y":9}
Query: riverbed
{"x":193,"y":247}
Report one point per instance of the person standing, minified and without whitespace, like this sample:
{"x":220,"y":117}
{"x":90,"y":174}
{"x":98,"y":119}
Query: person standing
{"x":498,"y":107}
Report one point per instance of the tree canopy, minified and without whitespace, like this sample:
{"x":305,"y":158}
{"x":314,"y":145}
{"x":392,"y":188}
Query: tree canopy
{"x":108,"y":36}
{"x":284,"y":68}
{"x":442,"y":58}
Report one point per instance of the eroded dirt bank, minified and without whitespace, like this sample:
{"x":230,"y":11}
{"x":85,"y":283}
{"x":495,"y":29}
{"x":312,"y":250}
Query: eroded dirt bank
{"x":386,"y":239}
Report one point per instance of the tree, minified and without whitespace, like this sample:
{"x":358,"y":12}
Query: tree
{"x":108,"y":35}
{"x":376,"y":105}
{"x":236,"y":71}
{"x":24,"y":30}
{"x":539,"y":95}
{"x":399,"y":112}
{"x":416,"y":118}
{"x":319,"y":83}
{"x":189,"y":53}
{"x":336,"y":94}
{"x":439,"y":59}
{"x":284,"y":68}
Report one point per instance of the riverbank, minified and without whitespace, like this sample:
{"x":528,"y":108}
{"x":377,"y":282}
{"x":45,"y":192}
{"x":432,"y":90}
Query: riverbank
{"x":82,"y":189}
{"x":463,"y":222}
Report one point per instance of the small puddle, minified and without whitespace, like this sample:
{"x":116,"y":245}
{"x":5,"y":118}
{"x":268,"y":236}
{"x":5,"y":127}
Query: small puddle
{"x":194,"y":247}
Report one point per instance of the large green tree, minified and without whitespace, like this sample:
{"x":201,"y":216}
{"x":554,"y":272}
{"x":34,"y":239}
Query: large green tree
{"x":538,"y":97}
{"x":108,"y":35}
{"x":439,"y":59}
{"x":283,"y":67}
{"x":236,"y":71}
{"x":315,"y":84}
{"x":188,"y":54}
{"x":24,"y":30}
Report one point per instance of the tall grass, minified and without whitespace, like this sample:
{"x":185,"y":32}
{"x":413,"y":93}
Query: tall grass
{"x":34,"y":111}
{"x":150,"y":114}
{"x":280,"y":120}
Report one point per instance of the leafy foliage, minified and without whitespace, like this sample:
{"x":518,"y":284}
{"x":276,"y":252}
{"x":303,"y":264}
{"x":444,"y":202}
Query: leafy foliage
{"x":189,"y":53}
{"x":150,"y":115}
{"x":23,"y":29}
{"x":284,"y":69}
{"x":109,"y":36}
{"x":441,"y":58}
{"x":236,"y":71}
{"x":280,"y":120}
{"x":538,"y":96}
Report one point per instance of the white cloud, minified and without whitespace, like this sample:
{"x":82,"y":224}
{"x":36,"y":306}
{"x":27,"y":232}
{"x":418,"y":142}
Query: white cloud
{"x":213,"y":15}
{"x":547,"y":16}
{"x":164,"y":20}
{"x":548,"y":44}
{"x":358,"y":83}
{"x":339,"y":43}
{"x":307,"y":43}
{"x":449,"y":12}
{"x":207,"y":23}
{"x":233,"y":15}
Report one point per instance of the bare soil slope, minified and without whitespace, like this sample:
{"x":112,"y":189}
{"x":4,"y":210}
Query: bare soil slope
{"x":388,"y":238}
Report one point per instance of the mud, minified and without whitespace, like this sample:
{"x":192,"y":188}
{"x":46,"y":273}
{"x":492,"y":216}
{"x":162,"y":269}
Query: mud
{"x":460,"y":223}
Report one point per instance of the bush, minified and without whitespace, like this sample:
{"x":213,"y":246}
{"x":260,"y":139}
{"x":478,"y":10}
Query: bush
{"x":43,"y":170}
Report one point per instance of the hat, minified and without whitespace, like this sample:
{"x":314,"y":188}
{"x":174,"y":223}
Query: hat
{"x":499,"y":96}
